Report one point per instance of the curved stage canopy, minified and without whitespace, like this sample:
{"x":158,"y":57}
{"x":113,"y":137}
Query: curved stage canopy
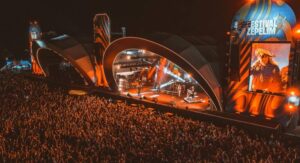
{"x":199,"y":60}
{"x":65,"y":48}
{"x":175,"y":49}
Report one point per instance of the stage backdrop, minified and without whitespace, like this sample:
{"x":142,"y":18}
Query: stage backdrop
{"x":264,"y":25}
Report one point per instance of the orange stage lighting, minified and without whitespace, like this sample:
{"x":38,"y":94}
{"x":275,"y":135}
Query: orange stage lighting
{"x":297,"y":32}
{"x":290,"y":108}
{"x":189,"y":75}
{"x":293,"y":92}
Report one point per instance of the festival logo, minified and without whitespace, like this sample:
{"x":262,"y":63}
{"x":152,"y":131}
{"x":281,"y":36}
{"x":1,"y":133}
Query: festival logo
{"x":261,"y":27}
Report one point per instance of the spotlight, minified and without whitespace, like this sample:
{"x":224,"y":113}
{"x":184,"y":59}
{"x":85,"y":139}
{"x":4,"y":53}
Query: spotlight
{"x":143,"y":51}
{"x":293,"y":93}
{"x":129,"y":52}
{"x":297,"y":32}
{"x":165,"y":70}
{"x":187,"y":76}
{"x":291,"y":108}
{"x":293,"y":98}
{"x":128,"y":57}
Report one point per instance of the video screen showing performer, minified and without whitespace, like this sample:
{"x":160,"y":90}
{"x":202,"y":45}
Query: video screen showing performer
{"x":269,"y":67}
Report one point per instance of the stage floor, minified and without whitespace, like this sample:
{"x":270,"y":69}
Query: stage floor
{"x":200,"y":103}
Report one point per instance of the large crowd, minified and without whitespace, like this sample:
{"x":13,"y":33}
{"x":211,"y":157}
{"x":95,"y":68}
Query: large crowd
{"x":42,"y":123}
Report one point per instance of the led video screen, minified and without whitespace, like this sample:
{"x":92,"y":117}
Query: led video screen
{"x":269,"y":67}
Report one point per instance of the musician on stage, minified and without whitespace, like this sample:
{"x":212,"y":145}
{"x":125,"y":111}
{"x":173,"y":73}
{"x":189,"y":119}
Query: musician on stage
{"x":179,"y":90}
{"x":193,"y":91}
{"x":139,"y":87}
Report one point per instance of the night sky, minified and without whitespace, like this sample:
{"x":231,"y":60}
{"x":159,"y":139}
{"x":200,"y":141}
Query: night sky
{"x":182,"y":17}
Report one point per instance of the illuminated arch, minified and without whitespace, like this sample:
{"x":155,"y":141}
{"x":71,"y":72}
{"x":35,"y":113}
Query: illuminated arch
{"x":49,"y":59}
{"x":68,"y":49}
{"x":174,"y":49}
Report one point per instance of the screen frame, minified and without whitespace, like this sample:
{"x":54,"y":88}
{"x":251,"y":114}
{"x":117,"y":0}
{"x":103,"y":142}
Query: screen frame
{"x":289,"y":65}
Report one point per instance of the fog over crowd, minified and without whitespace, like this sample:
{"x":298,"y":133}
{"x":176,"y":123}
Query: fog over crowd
{"x":42,"y":123}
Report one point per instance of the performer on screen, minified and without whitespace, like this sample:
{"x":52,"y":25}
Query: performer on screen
{"x":265,"y":71}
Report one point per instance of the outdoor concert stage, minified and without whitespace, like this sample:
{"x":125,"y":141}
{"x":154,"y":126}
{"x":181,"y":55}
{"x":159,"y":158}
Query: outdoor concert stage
{"x":256,"y":81}
{"x":198,"y":103}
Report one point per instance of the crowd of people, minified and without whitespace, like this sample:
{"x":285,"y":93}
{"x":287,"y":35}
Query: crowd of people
{"x":42,"y":123}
